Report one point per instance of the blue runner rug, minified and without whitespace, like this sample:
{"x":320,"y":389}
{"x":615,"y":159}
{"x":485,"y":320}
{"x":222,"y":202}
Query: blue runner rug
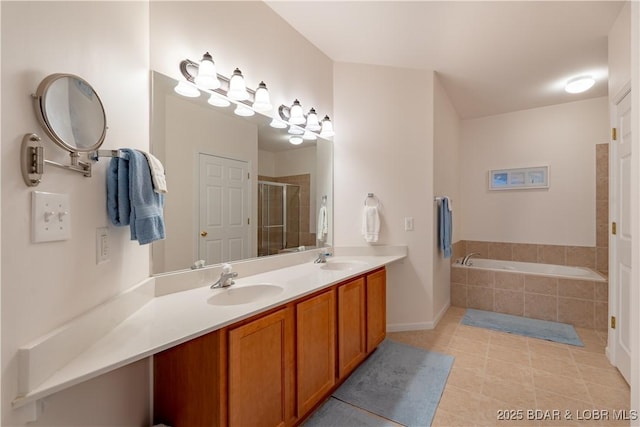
{"x":543,"y":329}
{"x":398,"y":382}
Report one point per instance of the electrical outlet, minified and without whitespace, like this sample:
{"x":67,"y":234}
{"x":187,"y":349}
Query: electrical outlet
{"x":102,"y":245}
{"x":408,"y":223}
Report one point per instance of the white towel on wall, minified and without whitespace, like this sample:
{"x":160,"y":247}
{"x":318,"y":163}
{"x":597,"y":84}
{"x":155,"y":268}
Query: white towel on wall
{"x":323,"y":224}
{"x":157,"y":173}
{"x":370,"y":224}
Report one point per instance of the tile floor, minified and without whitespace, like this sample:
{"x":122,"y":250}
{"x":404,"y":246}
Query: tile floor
{"x":495,"y":373}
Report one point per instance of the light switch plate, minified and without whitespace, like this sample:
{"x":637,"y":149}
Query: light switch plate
{"x":408,"y":223}
{"x":50,"y":217}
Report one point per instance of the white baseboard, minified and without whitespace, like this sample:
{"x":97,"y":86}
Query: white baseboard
{"x":402,"y":327}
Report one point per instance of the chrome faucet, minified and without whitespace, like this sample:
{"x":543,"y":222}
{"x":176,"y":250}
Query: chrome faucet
{"x":226,"y":277}
{"x":322,"y":257}
{"x":467,"y":258}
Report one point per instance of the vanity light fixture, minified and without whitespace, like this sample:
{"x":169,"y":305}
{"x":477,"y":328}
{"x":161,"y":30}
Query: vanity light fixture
{"x":579,"y":84}
{"x":244,"y":111}
{"x":187,"y":89}
{"x":295,"y":140}
{"x":237,"y":88}
{"x":312,"y":121}
{"x":278,"y":124}
{"x":218,"y":101}
{"x":296,"y":115}
{"x":309,"y":136}
{"x":262,"y":101}
{"x":295,"y":130}
{"x":207,"y":77}
{"x":327,"y":128}
{"x":223,"y":91}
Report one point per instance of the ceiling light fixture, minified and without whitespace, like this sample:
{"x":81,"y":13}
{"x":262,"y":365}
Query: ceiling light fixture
{"x":237,"y":88}
{"x":579,"y":84}
{"x":327,"y":128}
{"x":262,"y":101}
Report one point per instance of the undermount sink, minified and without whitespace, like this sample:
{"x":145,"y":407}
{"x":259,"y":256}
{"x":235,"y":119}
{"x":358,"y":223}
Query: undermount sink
{"x":342,"y":265}
{"x":244,"y":294}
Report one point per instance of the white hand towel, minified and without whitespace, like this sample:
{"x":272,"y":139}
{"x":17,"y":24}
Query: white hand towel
{"x":370,"y":224}
{"x":157,"y":173}
{"x":323,"y":224}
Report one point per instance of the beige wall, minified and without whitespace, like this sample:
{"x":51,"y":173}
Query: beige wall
{"x":446,"y":182}
{"x":111,"y":45}
{"x":563,"y":137}
{"x":47,"y":284}
{"x":619,"y":52}
{"x":379,"y":149}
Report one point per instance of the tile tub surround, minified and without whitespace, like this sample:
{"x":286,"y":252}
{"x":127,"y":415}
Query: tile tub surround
{"x":582,"y":303}
{"x":595,"y":258}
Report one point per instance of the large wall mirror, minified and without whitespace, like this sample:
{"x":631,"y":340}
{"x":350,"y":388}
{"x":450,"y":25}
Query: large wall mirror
{"x":237,"y":188}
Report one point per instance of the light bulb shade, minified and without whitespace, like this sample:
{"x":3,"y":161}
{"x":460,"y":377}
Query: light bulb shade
{"x":308,"y":136}
{"x":295,"y":140}
{"x":327,"y":128}
{"x":237,"y":88}
{"x":244,"y":111}
{"x":185,"y":88}
{"x":218,"y":101}
{"x":295,"y":130}
{"x":207,"y":77}
{"x":262,"y":102}
{"x":579,"y":84}
{"x":296,"y":115}
{"x":312,"y":121}
{"x":278,"y":124}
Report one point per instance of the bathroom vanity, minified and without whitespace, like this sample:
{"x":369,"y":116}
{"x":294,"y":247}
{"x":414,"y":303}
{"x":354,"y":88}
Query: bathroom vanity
{"x":275,"y":367}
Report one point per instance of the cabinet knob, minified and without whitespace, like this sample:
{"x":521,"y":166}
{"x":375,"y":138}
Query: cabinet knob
{"x":203,"y":233}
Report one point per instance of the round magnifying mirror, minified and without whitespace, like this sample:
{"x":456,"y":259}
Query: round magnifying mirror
{"x":71,"y":112}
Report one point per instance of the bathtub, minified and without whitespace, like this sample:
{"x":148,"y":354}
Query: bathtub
{"x":552,"y":270}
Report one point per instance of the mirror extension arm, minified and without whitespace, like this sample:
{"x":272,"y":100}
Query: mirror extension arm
{"x":32,"y":161}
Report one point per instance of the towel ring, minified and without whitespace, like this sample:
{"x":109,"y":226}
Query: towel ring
{"x":372,"y":196}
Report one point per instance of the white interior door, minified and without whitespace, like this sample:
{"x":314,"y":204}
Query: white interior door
{"x":620,"y":285}
{"x":224,"y":209}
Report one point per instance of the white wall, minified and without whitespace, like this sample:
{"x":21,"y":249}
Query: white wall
{"x":446,"y":182}
{"x":46,"y":284}
{"x":379,"y":149}
{"x":561,"y":136}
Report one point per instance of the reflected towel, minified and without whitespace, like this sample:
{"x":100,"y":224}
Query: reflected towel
{"x":370,"y":224}
{"x":323,"y":224}
{"x":157,"y":173}
{"x":444,"y":227}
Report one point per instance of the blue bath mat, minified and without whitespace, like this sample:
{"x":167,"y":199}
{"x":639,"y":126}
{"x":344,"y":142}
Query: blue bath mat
{"x":543,"y":329}
{"x":398,"y":382}
{"x":335,"y":413}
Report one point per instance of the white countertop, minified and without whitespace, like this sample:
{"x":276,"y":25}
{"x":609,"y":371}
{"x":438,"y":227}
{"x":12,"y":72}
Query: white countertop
{"x":164,"y":321}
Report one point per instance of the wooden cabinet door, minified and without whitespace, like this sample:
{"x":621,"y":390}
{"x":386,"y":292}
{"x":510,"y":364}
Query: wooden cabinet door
{"x":261,"y":369}
{"x":352,"y":346}
{"x":189,"y":383}
{"x":376,"y":308}
{"x":316,"y":362}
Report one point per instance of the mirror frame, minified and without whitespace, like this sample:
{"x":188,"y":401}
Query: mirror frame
{"x":40,"y":98}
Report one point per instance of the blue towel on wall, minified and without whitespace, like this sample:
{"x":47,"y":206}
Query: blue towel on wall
{"x":118,"y":206}
{"x":131,"y":199}
{"x":444,"y":227}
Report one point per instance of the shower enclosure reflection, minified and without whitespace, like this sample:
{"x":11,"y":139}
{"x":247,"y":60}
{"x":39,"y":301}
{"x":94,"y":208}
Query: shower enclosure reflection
{"x":279,"y":217}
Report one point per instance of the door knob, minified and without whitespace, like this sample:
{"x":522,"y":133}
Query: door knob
{"x":203,"y":233}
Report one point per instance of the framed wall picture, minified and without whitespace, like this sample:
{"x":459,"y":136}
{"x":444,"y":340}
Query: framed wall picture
{"x":519,"y":178}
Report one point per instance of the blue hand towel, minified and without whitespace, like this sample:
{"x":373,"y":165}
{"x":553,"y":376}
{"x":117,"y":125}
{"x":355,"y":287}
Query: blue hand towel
{"x":147,"y":220}
{"x":118,"y":206}
{"x":444,"y":227}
